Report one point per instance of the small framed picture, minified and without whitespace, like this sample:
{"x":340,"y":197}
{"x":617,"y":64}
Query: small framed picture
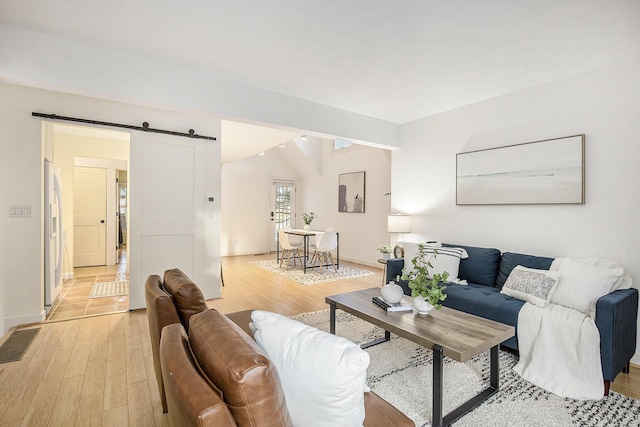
{"x":351,"y":192}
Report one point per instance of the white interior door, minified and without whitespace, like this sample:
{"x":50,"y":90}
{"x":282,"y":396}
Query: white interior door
{"x":282,"y":210}
{"x":173,"y":224}
{"x":89,"y":216}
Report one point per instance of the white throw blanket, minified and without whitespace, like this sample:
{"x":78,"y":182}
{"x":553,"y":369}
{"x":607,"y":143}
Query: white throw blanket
{"x":560,"y":351}
{"x":560,"y":346}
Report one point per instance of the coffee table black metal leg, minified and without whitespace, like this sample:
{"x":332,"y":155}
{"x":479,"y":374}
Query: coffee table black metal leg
{"x":494,"y":380}
{"x":436,"y":407}
{"x":451,"y":417}
{"x":332,"y":328}
{"x":387,"y":337}
{"x":332,"y":317}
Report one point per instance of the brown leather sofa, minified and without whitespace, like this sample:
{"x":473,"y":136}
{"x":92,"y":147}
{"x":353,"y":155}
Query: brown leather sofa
{"x":216,"y":374}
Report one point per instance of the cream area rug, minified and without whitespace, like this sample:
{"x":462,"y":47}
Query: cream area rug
{"x":313,"y":276}
{"x":401,"y":371}
{"x":109,"y":289}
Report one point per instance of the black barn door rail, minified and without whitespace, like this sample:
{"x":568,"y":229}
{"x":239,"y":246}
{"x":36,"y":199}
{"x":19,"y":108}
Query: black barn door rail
{"x":145,"y":126}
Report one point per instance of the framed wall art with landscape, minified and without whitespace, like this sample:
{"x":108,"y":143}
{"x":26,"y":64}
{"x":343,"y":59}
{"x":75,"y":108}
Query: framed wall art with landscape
{"x":351,"y":192}
{"x":540,"y":172}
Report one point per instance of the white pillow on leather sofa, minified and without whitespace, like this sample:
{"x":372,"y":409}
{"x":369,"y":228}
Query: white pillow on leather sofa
{"x":323,"y":375}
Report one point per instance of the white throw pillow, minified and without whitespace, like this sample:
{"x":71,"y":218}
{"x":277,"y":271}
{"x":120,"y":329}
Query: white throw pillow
{"x":531,"y":285}
{"x":581,"y":285}
{"x":446,"y":259}
{"x":625,"y":281}
{"x":323,"y":375}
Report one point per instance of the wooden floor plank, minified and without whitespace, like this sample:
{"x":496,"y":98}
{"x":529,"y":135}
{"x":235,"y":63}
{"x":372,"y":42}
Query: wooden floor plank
{"x":115,"y":387}
{"x":78,"y":360}
{"x":100,"y":339}
{"x":116,"y":324}
{"x":24,"y":390}
{"x":41,"y":408}
{"x":139,"y":405}
{"x":135,"y":358}
{"x":9,"y":377}
{"x":154,"y":392}
{"x":92,"y":398}
{"x":116,"y":417}
{"x":87,"y":330}
{"x":66,"y":406}
{"x":70,"y":334}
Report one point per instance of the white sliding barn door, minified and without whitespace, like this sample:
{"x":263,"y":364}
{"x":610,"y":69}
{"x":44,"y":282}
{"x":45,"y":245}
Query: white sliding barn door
{"x":170,"y":223}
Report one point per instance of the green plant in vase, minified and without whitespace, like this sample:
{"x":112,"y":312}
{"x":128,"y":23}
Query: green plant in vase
{"x":385,"y":250}
{"x":425,"y":287}
{"x":308,"y":219}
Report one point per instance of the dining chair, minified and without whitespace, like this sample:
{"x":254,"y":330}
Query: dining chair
{"x":296,"y":241}
{"x":315,"y":240}
{"x":322,"y":254}
{"x":288,"y":250}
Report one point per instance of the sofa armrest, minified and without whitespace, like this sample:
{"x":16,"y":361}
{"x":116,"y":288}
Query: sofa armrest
{"x":394,"y":272}
{"x":394,"y":269}
{"x":380,"y":413}
{"x":191,"y":400}
{"x":242,"y":319}
{"x":616,"y":319}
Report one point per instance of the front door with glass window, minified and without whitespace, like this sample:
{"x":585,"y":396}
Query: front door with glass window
{"x":282,"y":210}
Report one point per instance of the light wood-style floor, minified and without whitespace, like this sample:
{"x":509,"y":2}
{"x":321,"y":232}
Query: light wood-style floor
{"x":99,"y":370}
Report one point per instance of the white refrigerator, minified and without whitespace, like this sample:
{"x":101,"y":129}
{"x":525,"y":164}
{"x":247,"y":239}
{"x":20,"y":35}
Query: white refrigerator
{"x":53,"y":234}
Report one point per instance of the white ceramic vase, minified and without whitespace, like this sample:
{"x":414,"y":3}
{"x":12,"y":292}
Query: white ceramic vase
{"x":392,"y":293}
{"x":307,"y":227}
{"x":421,"y":306}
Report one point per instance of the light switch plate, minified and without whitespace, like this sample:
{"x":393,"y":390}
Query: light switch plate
{"x":19,"y":211}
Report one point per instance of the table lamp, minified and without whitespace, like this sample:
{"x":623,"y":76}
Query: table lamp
{"x":398,"y":223}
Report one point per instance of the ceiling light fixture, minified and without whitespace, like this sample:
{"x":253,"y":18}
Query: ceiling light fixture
{"x":261,"y":153}
{"x":303,"y":137}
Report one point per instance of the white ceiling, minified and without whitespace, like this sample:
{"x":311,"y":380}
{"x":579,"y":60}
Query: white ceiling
{"x":394,"y":60}
{"x":238,"y":137}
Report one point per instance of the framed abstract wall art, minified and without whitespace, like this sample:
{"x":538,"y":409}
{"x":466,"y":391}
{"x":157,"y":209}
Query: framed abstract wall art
{"x":540,"y":172}
{"x":351,"y":192}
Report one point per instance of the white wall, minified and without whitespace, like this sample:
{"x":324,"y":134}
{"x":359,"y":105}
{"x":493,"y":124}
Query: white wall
{"x":21,"y":277}
{"x":245,"y":198}
{"x":360,"y":233}
{"x":246,"y":202}
{"x":604,"y":105}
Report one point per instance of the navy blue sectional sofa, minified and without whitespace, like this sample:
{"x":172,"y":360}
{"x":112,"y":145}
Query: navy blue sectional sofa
{"x":486,"y":270}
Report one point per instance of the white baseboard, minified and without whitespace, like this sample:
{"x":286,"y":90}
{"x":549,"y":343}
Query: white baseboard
{"x":363,"y":262}
{"x":372,"y":264}
{"x":10,"y":322}
{"x":67,"y":276}
{"x":636,"y":359}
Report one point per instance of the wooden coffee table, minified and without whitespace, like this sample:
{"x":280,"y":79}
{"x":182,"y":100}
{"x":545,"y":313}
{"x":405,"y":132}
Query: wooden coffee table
{"x":447,"y":332}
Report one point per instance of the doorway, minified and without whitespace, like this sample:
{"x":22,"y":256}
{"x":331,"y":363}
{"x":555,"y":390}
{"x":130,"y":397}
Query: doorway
{"x":90,"y":158}
{"x":282,"y":209}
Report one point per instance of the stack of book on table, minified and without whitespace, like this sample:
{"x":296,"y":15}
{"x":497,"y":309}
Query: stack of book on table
{"x":400,"y":306}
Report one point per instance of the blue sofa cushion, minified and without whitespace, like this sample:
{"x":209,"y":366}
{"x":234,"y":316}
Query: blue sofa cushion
{"x":510,"y":260}
{"x":481,"y":267}
{"x":487,"y":302}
